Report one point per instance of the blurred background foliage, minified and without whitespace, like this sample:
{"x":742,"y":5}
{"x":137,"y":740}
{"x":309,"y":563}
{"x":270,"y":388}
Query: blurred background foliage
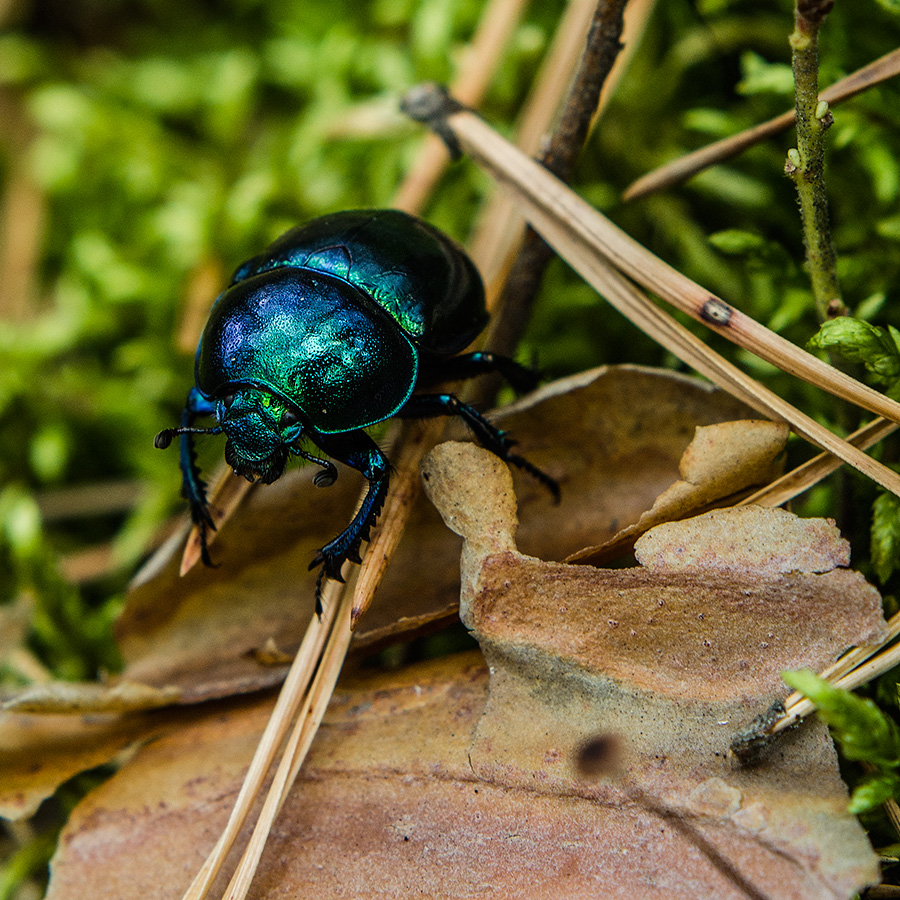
{"x":150,"y":146}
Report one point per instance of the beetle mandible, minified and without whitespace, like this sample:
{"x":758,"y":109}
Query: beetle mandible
{"x":328,"y":331}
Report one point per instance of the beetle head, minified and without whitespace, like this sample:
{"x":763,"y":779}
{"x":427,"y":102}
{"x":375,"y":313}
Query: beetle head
{"x":261,"y":428}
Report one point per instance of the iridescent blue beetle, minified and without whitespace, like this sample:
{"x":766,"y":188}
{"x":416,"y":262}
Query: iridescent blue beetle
{"x":328,"y":331}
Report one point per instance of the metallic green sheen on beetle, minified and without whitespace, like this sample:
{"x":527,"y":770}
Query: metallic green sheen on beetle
{"x":328,"y":331}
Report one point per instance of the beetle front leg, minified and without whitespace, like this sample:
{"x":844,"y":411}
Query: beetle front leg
{"x":357,"y":450}
{"x":192,"y":485}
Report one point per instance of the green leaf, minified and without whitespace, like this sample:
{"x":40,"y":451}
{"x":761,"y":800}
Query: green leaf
{"x":886,"y":535}
{"x":878,"y":349}
{"x":874,"y":790}
{"x":736,"y":242}
{"x":892,"y":6}
{"x":763,"y":77}
{"x":864,"y":732}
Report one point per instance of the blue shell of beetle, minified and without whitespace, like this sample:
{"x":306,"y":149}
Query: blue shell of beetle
{"x":333,"y":316}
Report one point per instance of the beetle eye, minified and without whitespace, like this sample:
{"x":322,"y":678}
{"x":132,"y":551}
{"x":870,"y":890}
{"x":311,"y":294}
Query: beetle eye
{"x":227,"y":400}
{"x":289,"y":418}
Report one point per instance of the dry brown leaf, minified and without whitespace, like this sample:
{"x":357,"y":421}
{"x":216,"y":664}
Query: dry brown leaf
{"x":386,"y":774}
{"x":206,"y":634}
{"x":668,"y":660}
{"x":203,"y":632}
{"x":40,"y":752}
{"x":595,"y":764}
{"x":720,"y":461}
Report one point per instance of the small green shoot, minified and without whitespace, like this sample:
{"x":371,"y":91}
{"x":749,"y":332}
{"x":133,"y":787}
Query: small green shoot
{"x":864,"y":732}
{"x":876,"y":348}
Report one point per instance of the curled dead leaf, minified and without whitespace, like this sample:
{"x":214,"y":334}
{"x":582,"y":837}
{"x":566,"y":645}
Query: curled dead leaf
{"x":62,"y":697}
{"x":721,"y":461}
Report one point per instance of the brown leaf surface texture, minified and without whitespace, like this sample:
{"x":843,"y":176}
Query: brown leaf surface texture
{"x":668,"y":659}
{"x":591,"y":432}
{"x":224,"y":631}
{"x":587,"y":759}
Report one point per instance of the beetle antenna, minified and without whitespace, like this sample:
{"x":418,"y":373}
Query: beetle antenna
{"x":164,"y":438}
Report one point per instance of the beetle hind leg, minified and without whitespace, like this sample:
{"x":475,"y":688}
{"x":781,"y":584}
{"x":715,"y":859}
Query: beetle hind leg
{"x":481,"y":362}
{"x":421,"y":406}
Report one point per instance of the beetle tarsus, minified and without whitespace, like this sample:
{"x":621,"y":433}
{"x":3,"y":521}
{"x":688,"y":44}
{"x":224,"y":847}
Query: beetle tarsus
{"x":540,"y":475}
{"x":203,"y":520}
{"x":319,"y":580}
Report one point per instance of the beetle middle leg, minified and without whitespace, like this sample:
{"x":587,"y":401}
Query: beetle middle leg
{"x":357,"y":450}
{"x":422,"y":406}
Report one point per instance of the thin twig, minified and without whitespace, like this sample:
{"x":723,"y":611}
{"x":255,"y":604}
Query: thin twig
{"x":685,"y":167}
{"x":565,"y":145}
{"x":406,"y":482}
{"x":806,"y":165}
{"x":497,"y":25}
{"x":499,"y":228}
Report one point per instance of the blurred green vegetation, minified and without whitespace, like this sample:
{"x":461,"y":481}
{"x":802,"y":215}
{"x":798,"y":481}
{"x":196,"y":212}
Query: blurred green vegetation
{"x":150,"y":146}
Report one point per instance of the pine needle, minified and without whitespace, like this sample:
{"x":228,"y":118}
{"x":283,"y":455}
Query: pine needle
{"x":855,"y":667}
{"x":289,"y":699}
{"x":604,"y":255}
{"x":810,"y":473}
